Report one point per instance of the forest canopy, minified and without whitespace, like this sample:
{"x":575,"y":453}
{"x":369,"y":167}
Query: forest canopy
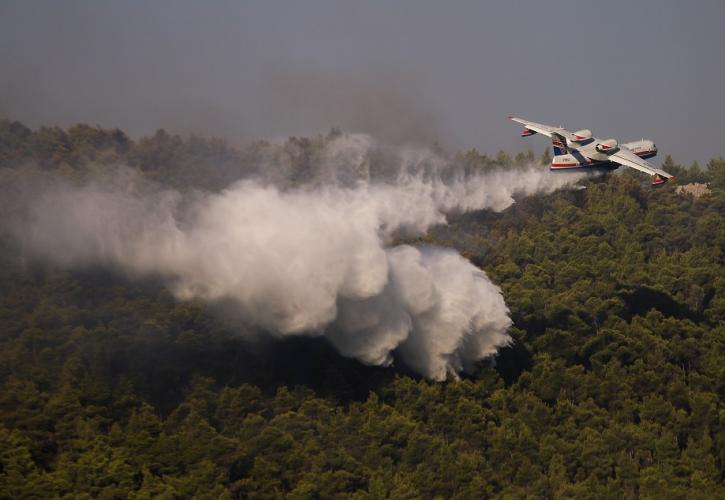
{"x":112,"y":388}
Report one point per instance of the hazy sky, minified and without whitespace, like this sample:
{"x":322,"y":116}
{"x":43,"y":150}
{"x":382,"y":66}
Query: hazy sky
{"x":407,"y":70}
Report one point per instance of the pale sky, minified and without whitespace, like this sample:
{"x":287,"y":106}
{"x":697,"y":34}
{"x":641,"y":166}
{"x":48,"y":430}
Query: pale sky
{"x":406,"y":70}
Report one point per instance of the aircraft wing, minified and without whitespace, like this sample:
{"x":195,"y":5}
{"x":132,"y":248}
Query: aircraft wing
{"x":546,"y":130}
{"x":627,"y":158}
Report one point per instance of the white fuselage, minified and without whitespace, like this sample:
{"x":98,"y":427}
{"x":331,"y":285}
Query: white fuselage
{"x":586,"y":154}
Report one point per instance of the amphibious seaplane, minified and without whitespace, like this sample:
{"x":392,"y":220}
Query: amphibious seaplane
{"x":581,"y":151}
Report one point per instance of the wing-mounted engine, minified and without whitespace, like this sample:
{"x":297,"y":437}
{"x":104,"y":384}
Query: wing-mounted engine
{"x":582,"y":136}
{"x":609,"y":146}
{"x":527,"y":132}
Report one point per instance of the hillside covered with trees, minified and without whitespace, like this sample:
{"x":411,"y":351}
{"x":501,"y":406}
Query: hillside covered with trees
{"x":614,"y":386}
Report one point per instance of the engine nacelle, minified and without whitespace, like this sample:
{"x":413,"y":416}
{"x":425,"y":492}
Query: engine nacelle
{"x":527,"y":132}
{"x":608,"y":146}
{"x":583,"y":135}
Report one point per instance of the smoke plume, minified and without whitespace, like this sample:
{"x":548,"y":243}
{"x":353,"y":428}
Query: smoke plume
{"x":310,"y":259}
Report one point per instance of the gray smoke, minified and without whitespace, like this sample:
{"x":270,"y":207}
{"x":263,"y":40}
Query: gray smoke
{"x":316,"y":259}
{"x":385,"y":102}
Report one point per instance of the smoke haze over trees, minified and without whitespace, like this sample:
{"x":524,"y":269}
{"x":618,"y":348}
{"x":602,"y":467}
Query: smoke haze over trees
{"x":304,"y":244}
{"x":112,"y":386}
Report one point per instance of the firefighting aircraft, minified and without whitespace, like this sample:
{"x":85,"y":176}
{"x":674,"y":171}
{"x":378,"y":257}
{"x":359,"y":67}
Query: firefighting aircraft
{"x":581,"y":151}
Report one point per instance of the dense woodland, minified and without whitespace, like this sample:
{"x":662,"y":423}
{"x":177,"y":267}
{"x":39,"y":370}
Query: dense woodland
{"x":613,"y":388}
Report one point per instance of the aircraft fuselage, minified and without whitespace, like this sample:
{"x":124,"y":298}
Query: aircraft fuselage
{"x":587,"y":156}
